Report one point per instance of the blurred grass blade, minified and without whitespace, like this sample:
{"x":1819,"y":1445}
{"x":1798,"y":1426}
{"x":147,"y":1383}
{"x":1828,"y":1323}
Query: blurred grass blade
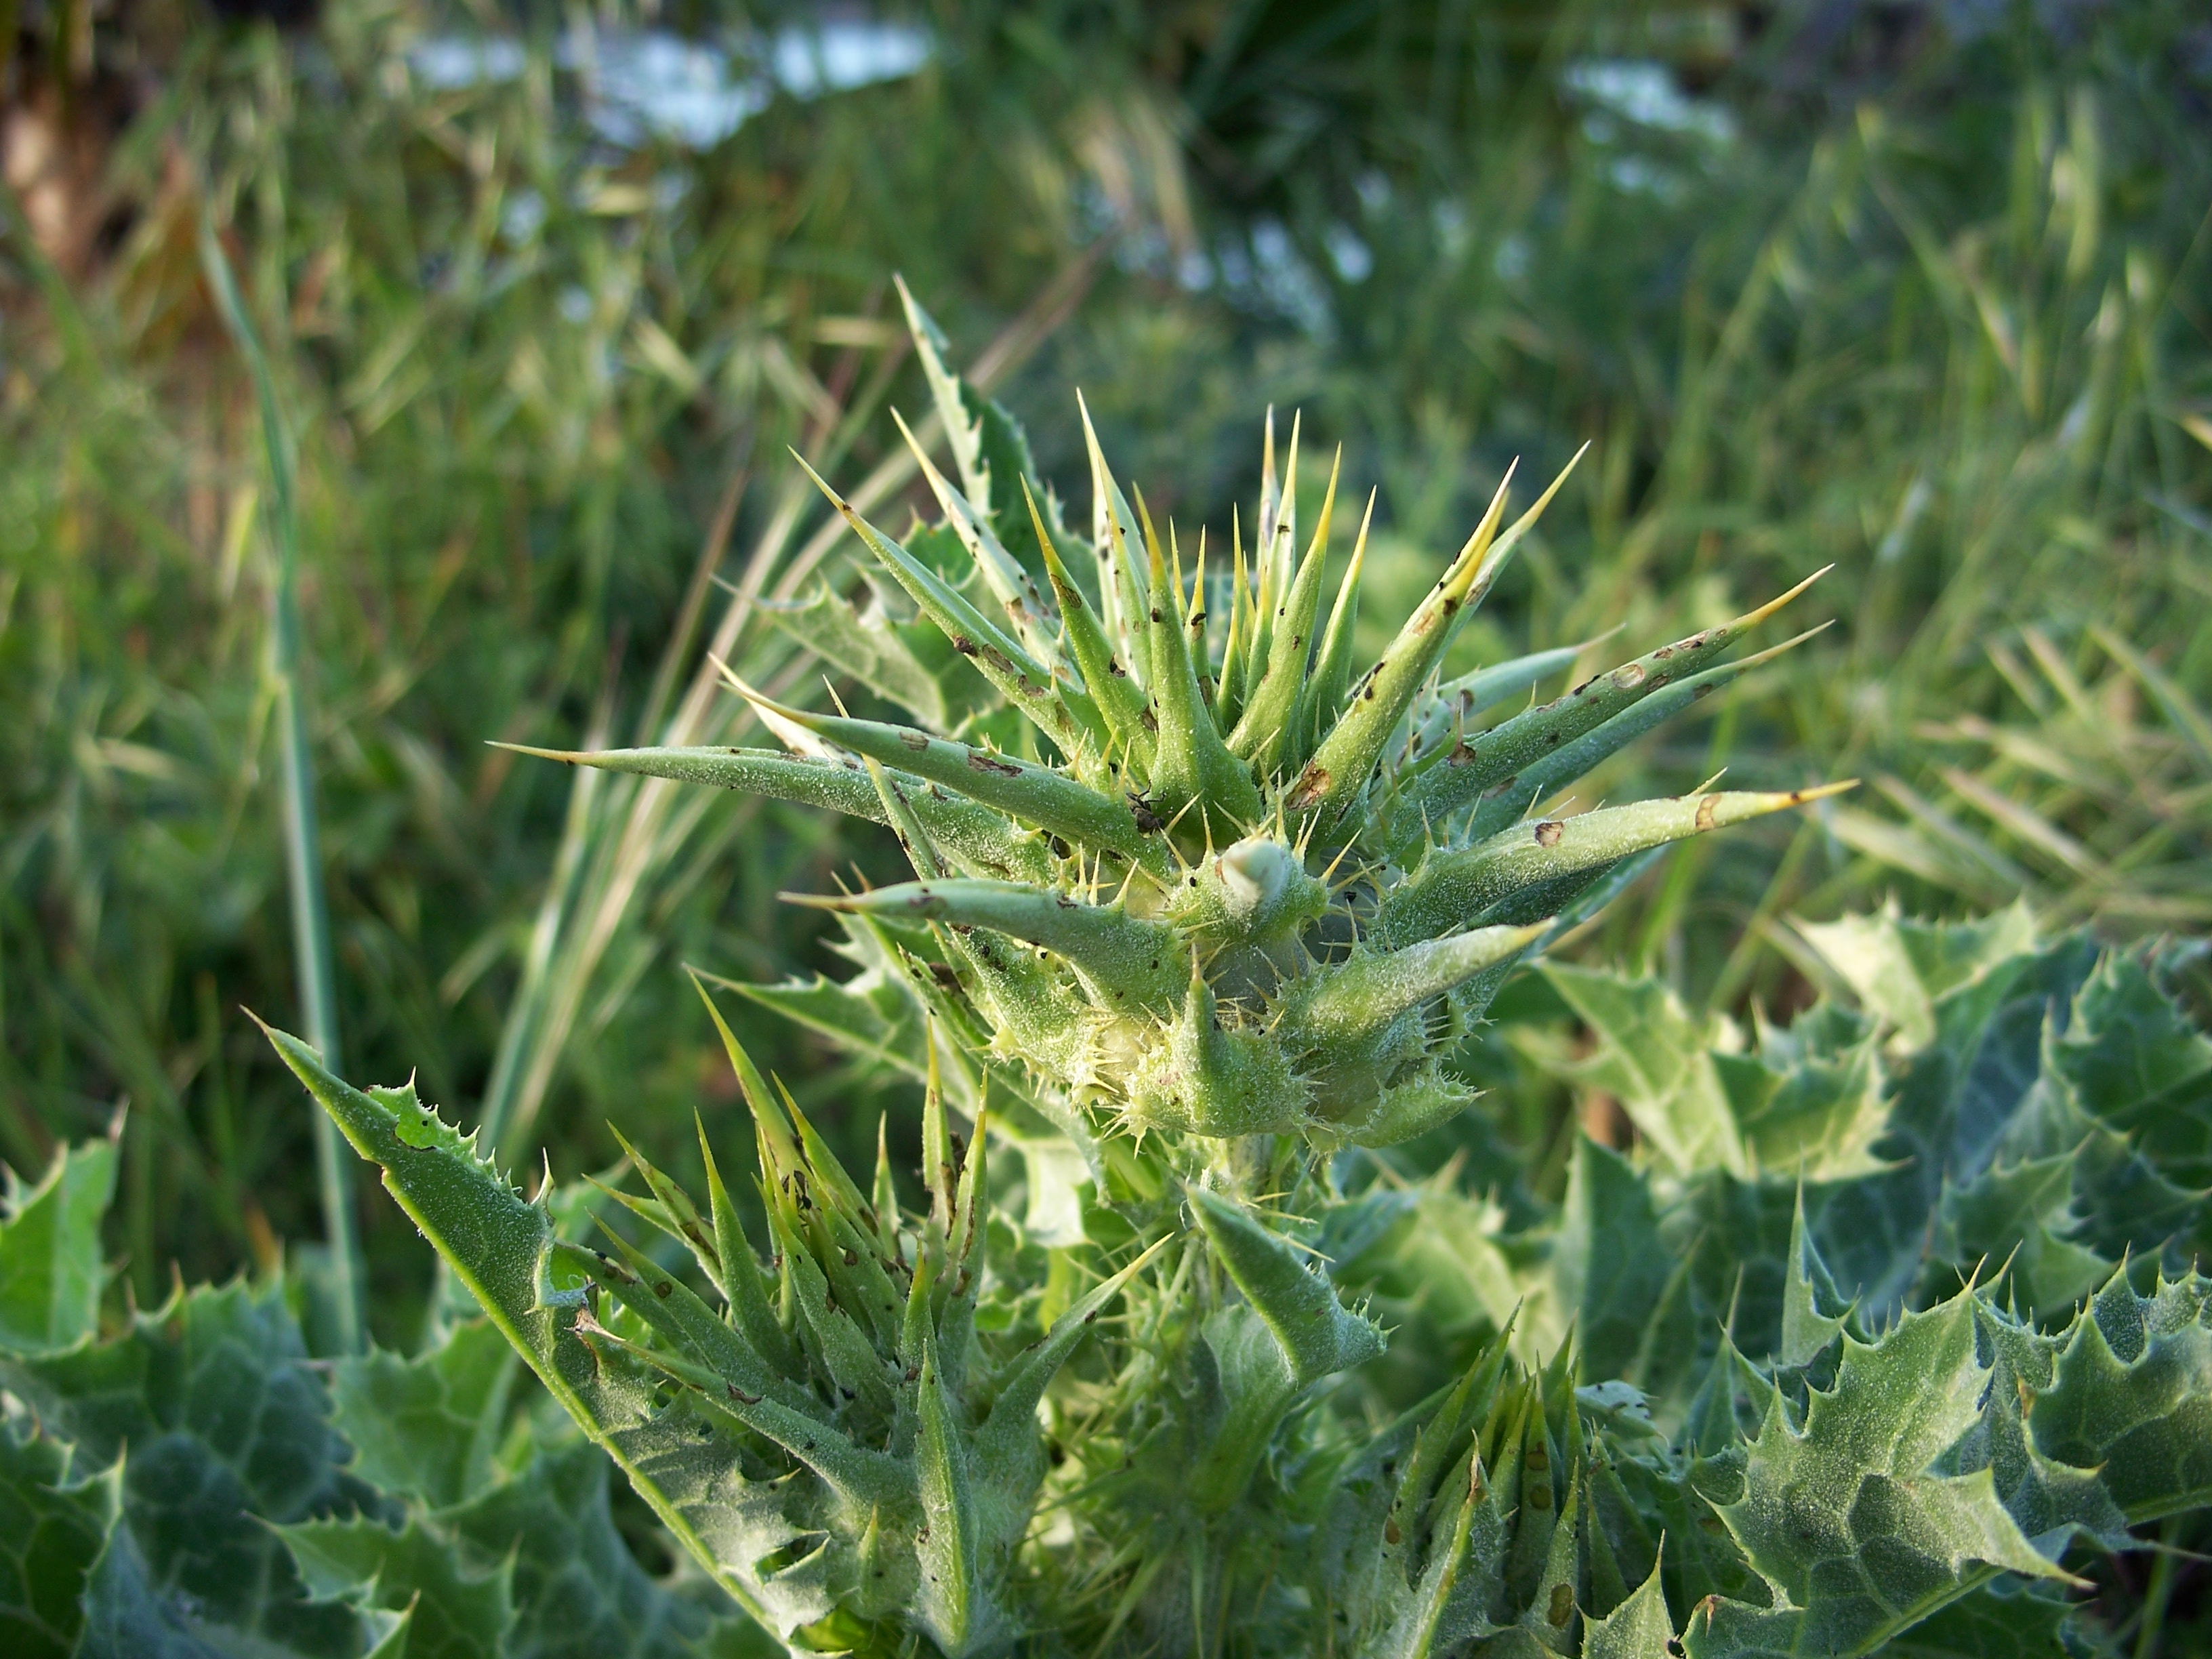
{"x":313,"y":964}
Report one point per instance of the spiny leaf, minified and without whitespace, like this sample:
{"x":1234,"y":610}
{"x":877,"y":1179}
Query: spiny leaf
{"x":1639,"y":1628}
{"x":1338,"y":772}
{"x":1350,"y":1002}
{"x":1806,"y":1326}
{"x":500,"y":1247}
{"x":1317,"y":1334}
{"x":215,"y":1427}
{"x":51,"y":1270}
{"x":1013,"y":587}
{"x":1846,"y":1516}
{"x":1271,"y":703}
{"x":367,"y":1563}
{"x":1487,"y":881}
{"x":1480,"y":763}
{"x":1322,"y":700}
{"x":428,"y":1428}
{"x":1028,"y":684}
{"x":56,"y":1522}
{"x":1120,"y":702}
{"x":980,"y":837}
{"x":1036,"y":794}
{"x":911,"y":663}
{"x":1899,"y":969}
{"x":2134,"y":1402}
{"x":1655,"y":1059}
{"x":1445,"y":712}
{"x":1132,"y":961}
{"x":1190,"y":762}
{"x":1613,"y":1272}
{"x":954,"y":1607}
{"x":1546,"y":776}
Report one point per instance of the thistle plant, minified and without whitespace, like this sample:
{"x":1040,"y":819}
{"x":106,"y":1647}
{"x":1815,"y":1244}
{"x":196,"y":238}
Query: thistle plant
{"x":1202,"y":911}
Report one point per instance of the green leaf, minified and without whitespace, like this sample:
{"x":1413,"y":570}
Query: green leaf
{"x":678,"y":1455}
{"x":51,"y":1272}
{"x":428,"y":1429}
{"x":1317,"y":1334}
{"x":1809,"y":1108}
{"x":1655,"y":1057}
{"x":126,"y":1616}
{"x":910,"y":664}
{"x":2052,"y":1501}
{"x":578,"y":1592}
{"x":2130,"y":1396}
{"x":1639,"y":1628}
{"x":1807,"y":1326}
{"x":2135,"y":1063}
{"x":222,"y":1429}
{"x":2021,"y":1213}
{"x":1613,"y":1273}
{"x":2000,"y":1620}
{"x":54,"y":1523}
{"x":455,"y":1615}
{"x":1846,"y":1516}
{"x":1899,"y":969}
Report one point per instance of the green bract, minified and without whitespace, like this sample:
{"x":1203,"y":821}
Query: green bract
{"x":1167,"y":1361}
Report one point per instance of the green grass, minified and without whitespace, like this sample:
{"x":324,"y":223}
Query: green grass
{"x":1942,"y":317}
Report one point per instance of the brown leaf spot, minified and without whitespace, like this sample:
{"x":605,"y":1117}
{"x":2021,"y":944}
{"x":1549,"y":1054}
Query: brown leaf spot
{"x":1312,"y":784}
{"x":1549,"y":831}
{"x":1628,"y":675}
{"x":985,"y":762}
{"x":1705,"y":809}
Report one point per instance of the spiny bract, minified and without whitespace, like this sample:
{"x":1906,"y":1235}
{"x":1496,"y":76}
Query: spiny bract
{"x":1170,"y":852}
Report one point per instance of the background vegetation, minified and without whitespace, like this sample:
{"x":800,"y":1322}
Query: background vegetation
{"x":1921,"y":291}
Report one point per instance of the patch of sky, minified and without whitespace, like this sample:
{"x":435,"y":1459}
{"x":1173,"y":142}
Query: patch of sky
{"x":449,"y":62}
{"x":648,"y":83}
{"x":522,"y":215}
{"x":643,"y":85}
{"x":1646,"y":94}
{"x":1353,"y":259}
{"x":1511,"y":259}
{"x":1283,"y":282}
{"x":1639,"y":175}
{"x":1451,"y":221}
{"x":841,"y":55}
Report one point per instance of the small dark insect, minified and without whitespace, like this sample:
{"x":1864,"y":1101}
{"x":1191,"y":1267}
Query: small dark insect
{"x":1148,"y":822}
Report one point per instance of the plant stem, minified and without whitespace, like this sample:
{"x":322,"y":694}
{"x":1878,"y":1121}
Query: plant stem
{"x":2159,"y":1592}
{"x":312,"y":964}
